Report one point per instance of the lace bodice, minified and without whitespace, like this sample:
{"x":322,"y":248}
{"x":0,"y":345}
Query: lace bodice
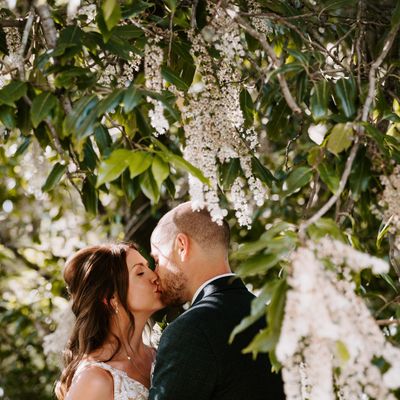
{"x":125,"y":388}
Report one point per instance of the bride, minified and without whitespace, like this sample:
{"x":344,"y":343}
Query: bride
{"x":113,"y":293}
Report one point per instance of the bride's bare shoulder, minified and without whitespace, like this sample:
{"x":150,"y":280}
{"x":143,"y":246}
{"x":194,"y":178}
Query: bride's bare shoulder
{"x":92,"y":382}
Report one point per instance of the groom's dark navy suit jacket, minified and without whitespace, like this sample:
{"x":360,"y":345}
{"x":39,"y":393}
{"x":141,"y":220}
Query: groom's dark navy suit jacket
{"x":195,"y":360}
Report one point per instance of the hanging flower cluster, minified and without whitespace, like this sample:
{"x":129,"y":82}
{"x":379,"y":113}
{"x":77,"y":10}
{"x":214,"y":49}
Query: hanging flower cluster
{"x":213,"y":120}
{"x":153,"y":59}
{"x":329,"y":339}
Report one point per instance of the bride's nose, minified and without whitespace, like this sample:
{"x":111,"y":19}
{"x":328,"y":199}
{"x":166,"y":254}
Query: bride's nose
{"x":154,"y":278}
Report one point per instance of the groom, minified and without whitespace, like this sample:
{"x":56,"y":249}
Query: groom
{"x":195,"y":360}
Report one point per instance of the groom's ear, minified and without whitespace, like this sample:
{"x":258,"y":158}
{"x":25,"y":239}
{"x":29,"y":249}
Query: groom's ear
{"x":182,"y":245}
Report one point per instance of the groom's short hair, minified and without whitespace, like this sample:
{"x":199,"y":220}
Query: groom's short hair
{"x":196,"y":224}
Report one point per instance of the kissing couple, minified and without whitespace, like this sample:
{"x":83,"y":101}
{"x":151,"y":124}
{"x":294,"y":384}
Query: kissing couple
{"x":114,"y":293}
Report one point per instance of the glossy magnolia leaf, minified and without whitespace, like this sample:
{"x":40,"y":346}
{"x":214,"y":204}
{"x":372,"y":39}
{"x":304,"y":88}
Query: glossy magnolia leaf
{"x":329,"y":176}
{"x":171,"y":77}
{"x":345,"y":90}
{"x":340,"y":138}
{"x":82,"y":120}
{"x":258,"y":264}
{"x":41,"y":107}
{"x":111,"y":13}
{"x":319,"y":101}
{"x":138,"y":162}
{"x":149,"y":186}
{"x":131,"y":99}
{"x":12,"y":92}
{"x":298,"y":178}
{"x":54,"y":177}
{"x":113,"y":167}
{"x":160,"y":170}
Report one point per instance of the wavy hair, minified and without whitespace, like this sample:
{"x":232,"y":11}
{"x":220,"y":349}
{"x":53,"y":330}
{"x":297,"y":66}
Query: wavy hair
{"x":93,"y":275}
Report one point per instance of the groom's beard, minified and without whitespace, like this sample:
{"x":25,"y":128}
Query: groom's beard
{"x":173,"y":286}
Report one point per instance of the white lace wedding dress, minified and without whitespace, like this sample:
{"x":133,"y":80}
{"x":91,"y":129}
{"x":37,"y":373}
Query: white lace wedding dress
{"x":125,"y":388}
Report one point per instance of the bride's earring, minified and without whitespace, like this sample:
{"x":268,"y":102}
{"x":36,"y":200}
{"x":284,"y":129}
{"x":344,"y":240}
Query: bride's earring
{"x":116,"y":309}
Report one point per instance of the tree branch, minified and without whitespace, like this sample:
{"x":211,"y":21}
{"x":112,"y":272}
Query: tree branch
{"x":383,"y":322}
{"x":270,"y":52}
{"x":49,"y":29}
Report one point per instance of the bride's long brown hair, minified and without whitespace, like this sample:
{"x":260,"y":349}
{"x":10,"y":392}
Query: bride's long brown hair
{"x":93,"y":276}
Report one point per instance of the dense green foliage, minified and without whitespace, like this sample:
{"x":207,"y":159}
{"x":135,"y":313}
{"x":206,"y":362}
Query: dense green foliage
{"x":80,"y":162}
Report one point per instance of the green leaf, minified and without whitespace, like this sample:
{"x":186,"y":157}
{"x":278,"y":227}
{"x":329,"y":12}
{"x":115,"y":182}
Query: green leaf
{"x":160,"y":170}
{"x":149,"y":186}
{"x":41,"y":107}
{"x":174,"y":79}
{"x":258,"y":308}
{"x":113,"y":167}
{"x":138,"y":162}
{"x":23,"y":147}
{"x":267,"y":339}
{"x":229,"y":172}
{"x":258,"y":264}
{"x":247,"y":106}
{"x":54,"y":177}
{"x":345,"y":90}
{"x":342,"y":351}
{"x":111,"y":13}
{"x":131,"y":99}
{"x":390,"y":282}
{"x":264,"y":241}
{"x":340,"y":138}
{"x":102,"y":138}
{"x":298,"y":178}
{"x":7,"y":117}
{"x":323,"y":227}
{"x":82,"y":120}
{"x":180,"y":163}
{"x":262,"y":172}
{"x":89,"y":196}
{"x":383,"y":230}
{"x":360,"y":175}
{"x":396,"y":16}
{"x":319,"y":101}
{"x":110,"y":102}
{"x":329,"y":176}
{"x":12,"y":92}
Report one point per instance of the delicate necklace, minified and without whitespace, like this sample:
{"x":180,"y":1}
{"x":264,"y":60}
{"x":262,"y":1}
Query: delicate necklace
{"x":136,"y":367}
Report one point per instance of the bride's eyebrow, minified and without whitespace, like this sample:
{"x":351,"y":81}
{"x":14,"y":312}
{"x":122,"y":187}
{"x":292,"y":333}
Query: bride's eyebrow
{"x":139,"y":264}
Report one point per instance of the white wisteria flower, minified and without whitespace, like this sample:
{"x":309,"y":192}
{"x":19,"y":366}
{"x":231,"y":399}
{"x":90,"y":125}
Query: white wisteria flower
{"x":329,"y":352}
